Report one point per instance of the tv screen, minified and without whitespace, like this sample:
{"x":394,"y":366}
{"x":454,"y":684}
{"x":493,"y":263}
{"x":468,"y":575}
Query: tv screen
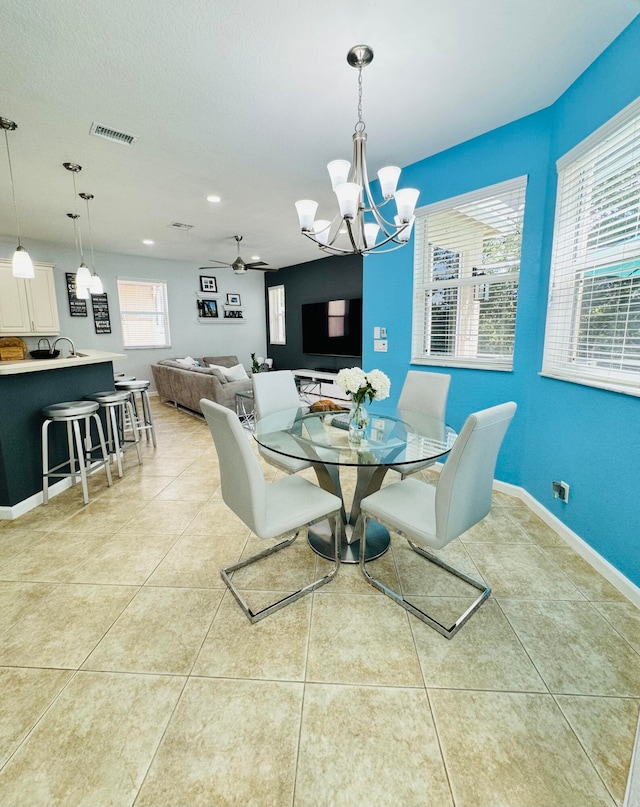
{"x":333,"y":328}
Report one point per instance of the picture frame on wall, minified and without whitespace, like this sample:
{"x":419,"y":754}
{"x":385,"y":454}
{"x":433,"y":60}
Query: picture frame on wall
{"x":233,"y":299}
{"x":208,"y":309}
{"x":208,"y":284}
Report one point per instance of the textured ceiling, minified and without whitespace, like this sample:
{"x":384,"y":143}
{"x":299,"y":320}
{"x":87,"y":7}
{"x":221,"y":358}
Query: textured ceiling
{"x":250,"y":99}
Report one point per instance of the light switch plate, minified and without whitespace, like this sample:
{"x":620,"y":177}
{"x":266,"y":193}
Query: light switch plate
{"x":380,"y":345}
{"x":376,"y":333}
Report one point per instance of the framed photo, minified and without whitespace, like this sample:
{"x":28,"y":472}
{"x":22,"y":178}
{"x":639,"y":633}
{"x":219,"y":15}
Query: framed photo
{"x":208,"y":309}
{"x":233,"y":299}
{"x":208,"y":284}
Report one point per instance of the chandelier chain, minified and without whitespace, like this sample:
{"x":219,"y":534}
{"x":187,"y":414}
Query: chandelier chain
{"x":360,"y":125}
{"x":13,"y":187}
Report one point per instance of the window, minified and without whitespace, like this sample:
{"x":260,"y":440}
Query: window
{"x":593,"y":318}
{"x":277,"y":333}
{"x":144,"y":313}
{"x":466,"y":271}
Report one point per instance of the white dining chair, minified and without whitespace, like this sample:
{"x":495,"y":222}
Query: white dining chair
{"x":270,"y":510}
{"x":426,"y":395}
{"x":276,"y":392}
{"x":433,"y":516}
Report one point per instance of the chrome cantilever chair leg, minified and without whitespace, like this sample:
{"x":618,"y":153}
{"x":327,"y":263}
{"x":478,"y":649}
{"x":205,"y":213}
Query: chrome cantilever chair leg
{"x":256,"y":616}
{"x":448,"y":632}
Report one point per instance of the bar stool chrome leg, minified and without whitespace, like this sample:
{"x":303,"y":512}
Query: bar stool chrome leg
{"x":118,"y":409}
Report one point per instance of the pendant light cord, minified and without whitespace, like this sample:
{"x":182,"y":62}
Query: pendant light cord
{"x":93,"y":260}
{"x":13,"y":187}
{"x":78,"y":230}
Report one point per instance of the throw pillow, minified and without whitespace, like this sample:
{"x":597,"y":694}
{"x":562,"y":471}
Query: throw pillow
{"x":237,"y":373}
{"x":188,"y":362}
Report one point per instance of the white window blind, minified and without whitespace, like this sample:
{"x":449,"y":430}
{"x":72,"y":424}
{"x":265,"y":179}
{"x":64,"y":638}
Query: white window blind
{"x":144,"y":313}
{"x":277,"y":333}
{"x":593,"y":318}
{"x":466,"y":274}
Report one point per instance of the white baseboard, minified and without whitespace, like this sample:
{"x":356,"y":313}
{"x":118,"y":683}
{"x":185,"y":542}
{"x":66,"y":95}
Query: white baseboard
{"x":593,"y":558}
{"x":9,"y":513}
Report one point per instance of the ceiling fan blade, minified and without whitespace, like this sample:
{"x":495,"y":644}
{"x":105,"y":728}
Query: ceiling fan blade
{"x":256,"y":264}
{"x":215,"y":260}
{"x":260,"y":268}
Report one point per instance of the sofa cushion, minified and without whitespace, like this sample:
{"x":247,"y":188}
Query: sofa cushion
{"x":209,"y":371}
{"x":221,"y":361}
{"x":237,"y":373}
{"x":188,"y":361}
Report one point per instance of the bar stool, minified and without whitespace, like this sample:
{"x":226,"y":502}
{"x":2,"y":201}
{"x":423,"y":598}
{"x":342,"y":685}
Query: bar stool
{"x":143,"y":419}
{"x":117,"y":408}
{"x":71,"y":413}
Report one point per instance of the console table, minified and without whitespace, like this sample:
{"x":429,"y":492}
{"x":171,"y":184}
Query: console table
{"x":315,"y":378}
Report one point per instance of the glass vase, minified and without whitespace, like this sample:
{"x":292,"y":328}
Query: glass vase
{"x":358,"y":422}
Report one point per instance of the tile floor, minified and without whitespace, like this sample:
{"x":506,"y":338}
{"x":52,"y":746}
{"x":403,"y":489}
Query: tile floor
{"x":128,"y":675}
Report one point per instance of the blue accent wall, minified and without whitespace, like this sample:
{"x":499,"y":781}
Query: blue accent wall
{"x":587,"y":437}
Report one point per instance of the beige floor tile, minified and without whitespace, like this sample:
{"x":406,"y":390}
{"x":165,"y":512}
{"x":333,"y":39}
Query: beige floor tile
{"x":194,"y":561}
{"x":106,"y":514}
{"x":124,"y":560}
{"x":24,"y":696}
{"x":170,"y":517}
{"x":94,"y":745}
{"x":188,"y":489}
{"x":539,"y":532}
{"x":17,"y":599}
{"x":625,"y":618}
{"x":484,"y":654}
{"x":53,"y":558}
{"x":421,"y":577}
{"x":496,"y":528}
{"x":287,"y":570}
{"x":14,"y":541}
{"x":522,"y":571}
{"x":361,"y":640}
{"x":47,"y":517}
{"x":274,"y":648}
{"x":156,"y":465}
{"x":583,"y":576}
{"x":215,"y":518}
{"x":137,"y":486}
{"x":64,"y":628}
{"x":350,"y":580}
{"x":496,"y":747}
{"x":160,"y":631}
{"x":366,"y":746}
{"x":586,"y":656}
{"x":217,"y":751}
{"x":606,"y":727}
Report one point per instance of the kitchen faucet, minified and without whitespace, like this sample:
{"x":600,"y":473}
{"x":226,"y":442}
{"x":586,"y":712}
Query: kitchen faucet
{"x":72,"y":352}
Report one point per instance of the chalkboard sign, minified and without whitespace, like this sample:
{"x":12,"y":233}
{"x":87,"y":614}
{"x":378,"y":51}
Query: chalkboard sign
{"x":101,"y":318}
{"x":77,"y":308}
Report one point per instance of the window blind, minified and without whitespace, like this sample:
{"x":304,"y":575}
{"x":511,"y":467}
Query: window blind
{"x":592,"y":331}
{"x":277,"y":332}
{"x":144,"y":313}
{"x":466,"y":276}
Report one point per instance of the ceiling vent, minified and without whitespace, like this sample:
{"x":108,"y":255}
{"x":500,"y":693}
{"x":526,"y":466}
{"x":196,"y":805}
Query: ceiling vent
{"x":176,"y":225}
{"x":112,"y":134}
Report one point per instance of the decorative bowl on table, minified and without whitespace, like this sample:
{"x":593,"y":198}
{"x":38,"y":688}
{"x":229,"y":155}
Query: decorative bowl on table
{"x":44,"y":354}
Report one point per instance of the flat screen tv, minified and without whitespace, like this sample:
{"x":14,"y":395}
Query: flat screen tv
{"x":333,"y":328}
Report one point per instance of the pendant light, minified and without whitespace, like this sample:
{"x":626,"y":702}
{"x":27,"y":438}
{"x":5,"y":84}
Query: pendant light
{"x":82,"y":289}
{"x":95,"y":286}
{"x":83,"y":275}
{"x":22,"y":265}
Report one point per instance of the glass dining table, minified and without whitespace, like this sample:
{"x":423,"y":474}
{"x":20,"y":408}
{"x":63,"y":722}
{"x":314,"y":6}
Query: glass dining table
{"x":403,"y":438}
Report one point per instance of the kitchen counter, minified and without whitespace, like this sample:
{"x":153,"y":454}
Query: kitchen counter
{"x":82,"y":358}
{"x":26,"y":387}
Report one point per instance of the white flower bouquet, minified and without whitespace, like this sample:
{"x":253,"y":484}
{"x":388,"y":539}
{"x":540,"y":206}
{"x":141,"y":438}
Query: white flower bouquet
{"x":359,"y":385}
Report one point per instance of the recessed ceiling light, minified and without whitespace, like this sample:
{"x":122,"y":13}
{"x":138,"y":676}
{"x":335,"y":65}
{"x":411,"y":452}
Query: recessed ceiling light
{"x":213,"y":198}
{"x":255,"y":257}
{"x":148,"y":241}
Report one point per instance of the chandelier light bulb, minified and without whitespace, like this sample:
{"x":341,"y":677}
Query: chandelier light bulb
{"x":95,"y":287}
{"x":82,"y":292}
{"x":348,"y":197}
{"x":406,"y":203}
{"x":306,"y":213}
{"x":339,"y":172}
{"x":83,"y":277}
{"x":371,"y":230}
{"x":321,"y":229}
{"x":404,"y":235}
{"x":22,"y":265}
{"x":388,"y":177}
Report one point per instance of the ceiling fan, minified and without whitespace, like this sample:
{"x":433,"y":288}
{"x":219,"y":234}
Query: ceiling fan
{"x":239,"y":266}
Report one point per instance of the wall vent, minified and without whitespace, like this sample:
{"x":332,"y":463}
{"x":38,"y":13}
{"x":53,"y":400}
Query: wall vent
{"x":177,"y":225}
{"x":112,"y":134}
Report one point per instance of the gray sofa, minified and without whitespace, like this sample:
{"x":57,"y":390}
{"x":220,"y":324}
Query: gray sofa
{"x":186,"y":386}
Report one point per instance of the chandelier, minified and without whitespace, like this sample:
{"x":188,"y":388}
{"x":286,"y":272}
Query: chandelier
{"x":22,"y":265}
{"x":359,"y":216}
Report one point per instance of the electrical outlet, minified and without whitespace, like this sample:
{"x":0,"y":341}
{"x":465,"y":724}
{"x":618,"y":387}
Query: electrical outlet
{"x":560,"y":491}
{"x":383,"y":333}
{"x":380,"y":345}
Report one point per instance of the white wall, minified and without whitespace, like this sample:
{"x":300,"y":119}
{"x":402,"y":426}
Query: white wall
{"x":189,"y":336}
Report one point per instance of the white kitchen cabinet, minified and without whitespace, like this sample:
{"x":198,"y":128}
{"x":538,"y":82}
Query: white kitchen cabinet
{"x":28,"y":307}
